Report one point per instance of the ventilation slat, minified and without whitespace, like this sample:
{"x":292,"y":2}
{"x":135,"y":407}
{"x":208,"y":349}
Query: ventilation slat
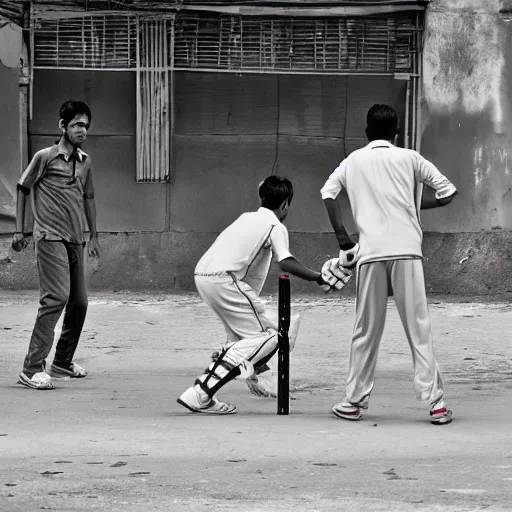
{"x":90,"y":42}
{"x":380,"y":44}
{"x":376,"y":44}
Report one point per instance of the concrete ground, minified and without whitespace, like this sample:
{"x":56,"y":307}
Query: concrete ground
{"x":118,"y":441}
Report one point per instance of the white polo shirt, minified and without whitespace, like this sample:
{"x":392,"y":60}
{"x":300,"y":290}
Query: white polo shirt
{"x":381,"y":182}
{"x":245,"y":248}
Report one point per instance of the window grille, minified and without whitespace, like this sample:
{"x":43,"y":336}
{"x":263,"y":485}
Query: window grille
{"x":378,"y":45}
{"x":384,"y":45}
{"x":369,"y":45}
{"x":88,"y":42}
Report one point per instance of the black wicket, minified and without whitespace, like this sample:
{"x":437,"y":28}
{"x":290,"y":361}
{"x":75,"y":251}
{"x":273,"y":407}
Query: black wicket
{"x":283,"y":361}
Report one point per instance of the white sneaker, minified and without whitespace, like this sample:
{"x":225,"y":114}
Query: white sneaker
{"x":40,"y":380}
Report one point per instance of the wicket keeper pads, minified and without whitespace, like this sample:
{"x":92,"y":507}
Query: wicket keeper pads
{"x":238,"y":359}
{"x":272,"y":316}
{"x":265,"y":383}
{"x":335,"y":275}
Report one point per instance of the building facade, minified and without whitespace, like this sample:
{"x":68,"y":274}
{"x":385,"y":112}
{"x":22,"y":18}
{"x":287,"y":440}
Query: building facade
{"x":192,"y":107}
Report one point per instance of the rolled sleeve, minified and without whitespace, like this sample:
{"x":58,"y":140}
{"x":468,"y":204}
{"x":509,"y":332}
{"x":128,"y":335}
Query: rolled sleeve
{"x":33,"y":172}
{"x":280,"y":243}
{"x":428,"y":173}
{"x":334,"y":184}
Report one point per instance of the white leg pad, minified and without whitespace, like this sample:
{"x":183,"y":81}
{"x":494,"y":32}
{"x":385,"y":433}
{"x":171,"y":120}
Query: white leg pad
{"x":273,"y":316}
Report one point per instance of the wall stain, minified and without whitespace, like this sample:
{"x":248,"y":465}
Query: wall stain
{"x":464,"y":64}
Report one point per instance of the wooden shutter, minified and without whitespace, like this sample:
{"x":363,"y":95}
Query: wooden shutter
{"x":153,"y":101}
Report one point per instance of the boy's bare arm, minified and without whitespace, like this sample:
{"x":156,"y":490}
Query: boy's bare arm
{"x":26,"y":182}
{"x":21,"y":200}
{"x":90,"y":215}
{"x":334,"y":213}
{"x":18,"y":240}
{"x":294,"y":267}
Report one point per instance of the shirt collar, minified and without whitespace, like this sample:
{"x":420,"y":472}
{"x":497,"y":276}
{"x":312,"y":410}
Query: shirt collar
{"x":268,"y":213}
{"x":62,"y":150}
{"x":380,"y":143}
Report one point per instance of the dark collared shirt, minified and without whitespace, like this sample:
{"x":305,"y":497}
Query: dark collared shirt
{"x":58,"y":193}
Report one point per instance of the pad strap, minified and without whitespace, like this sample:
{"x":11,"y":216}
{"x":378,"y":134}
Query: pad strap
{"x":211,"y":371}
{"x":266,"y":359}
{"x":232,"y":373}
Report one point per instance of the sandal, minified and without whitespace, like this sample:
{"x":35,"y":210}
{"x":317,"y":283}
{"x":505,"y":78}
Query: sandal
{"x":190,"y":400}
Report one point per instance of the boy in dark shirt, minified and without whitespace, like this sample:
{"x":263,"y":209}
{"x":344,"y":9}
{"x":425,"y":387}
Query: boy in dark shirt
{"x":59,"y":179}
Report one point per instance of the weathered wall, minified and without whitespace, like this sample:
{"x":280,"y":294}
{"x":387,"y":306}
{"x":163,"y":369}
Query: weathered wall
{"x":122,"y":203}
{"x":226,"y":142}
{"x":10,"y":157}
{"x":230,"y":139}
{"x":248,"y":127}
{"x":467,"y":133}
{"x":166,"y":260}
{"x":467,"y":129}
{"x":9,"y":146}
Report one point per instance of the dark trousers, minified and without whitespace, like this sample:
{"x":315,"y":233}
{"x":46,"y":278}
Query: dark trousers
{"x":62,"y":284}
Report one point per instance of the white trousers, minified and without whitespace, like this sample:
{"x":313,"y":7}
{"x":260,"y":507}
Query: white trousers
{"x":408,"y":283}
{"x":251,"y":335}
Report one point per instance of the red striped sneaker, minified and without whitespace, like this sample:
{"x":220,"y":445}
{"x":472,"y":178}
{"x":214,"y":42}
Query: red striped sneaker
{"x":347,"y":411}
{"x":439,"y":414}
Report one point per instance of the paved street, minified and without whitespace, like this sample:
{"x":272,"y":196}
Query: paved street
{"x":118,"y":441}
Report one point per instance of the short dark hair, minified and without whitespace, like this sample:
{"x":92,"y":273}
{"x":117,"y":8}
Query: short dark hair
{"x":70,"y":109}
{"x":381,"y":122}
{"x":274,"y":190}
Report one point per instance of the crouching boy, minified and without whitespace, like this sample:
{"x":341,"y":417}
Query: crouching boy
{"x":229,"y":278}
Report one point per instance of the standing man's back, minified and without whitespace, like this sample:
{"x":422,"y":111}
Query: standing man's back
{"x":382,"y":184}
{"x":381,"y":181}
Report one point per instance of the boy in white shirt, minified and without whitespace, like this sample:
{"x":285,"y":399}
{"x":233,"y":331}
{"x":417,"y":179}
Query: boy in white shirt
{"x":229,"y":278}
{"x":384,"y":185}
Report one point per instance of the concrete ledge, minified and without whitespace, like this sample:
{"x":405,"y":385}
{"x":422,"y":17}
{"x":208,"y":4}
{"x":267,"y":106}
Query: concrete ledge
{"x":468,"y":263}
{"x":455,"y":263}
